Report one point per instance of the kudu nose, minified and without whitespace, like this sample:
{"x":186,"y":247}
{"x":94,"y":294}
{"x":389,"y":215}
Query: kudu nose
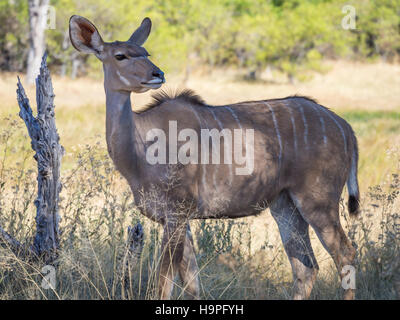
{"x":158,"y":74}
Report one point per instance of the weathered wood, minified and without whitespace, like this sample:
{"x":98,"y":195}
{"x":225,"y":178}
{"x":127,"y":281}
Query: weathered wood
{"x":48,"y":153}
{"x":8,"y":241}
{"x":21,"y":250}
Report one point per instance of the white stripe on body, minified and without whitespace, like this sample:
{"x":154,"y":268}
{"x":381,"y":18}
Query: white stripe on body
{"x":276,"y":130}
{"x":230,"y":164}
{"x":293,"y":126}
{"x":321,"y":120}
{"x":234,"y":116}
{"x":339,"y":126}
{"x":304,"y":123}
{"x":203,"y":179}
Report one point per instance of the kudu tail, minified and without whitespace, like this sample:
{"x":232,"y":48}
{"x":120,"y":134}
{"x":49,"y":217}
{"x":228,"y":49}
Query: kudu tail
{"x":352,"y":183}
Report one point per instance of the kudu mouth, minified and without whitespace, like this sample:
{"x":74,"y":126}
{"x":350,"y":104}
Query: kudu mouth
{"x":155,"y":82}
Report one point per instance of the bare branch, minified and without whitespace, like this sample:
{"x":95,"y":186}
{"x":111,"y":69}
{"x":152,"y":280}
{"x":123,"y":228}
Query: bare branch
{"x":7,"y":240}
{"x":20,"y":250}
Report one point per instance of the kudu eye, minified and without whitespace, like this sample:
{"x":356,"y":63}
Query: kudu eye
{"x":120,"y":57}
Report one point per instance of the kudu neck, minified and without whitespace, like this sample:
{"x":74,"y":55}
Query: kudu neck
{"x":120,"y":124}
{"x":118,"y":101}
{"x":121,"y":133}
{"x":118,"y":110}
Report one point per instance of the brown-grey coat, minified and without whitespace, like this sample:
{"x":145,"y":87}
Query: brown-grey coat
{"x":303,"y":156}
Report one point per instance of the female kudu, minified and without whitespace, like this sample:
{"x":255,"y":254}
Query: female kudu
{"x":303,"y":155}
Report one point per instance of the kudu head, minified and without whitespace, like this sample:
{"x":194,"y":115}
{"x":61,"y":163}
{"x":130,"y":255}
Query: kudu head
{"x":126,"y":64}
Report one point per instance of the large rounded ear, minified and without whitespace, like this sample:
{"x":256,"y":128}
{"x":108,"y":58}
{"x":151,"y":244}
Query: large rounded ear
{"x":84,"y":36}
{"x":140,"y":35}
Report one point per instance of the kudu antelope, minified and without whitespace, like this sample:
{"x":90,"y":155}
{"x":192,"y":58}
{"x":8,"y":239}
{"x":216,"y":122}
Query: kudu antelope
{"x":303,"y":156}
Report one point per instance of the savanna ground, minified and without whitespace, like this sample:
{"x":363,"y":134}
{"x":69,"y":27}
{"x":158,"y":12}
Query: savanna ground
{"x":239,"y":259}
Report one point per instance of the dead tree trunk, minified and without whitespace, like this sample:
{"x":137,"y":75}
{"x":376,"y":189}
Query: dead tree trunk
{"x":37,"y":25}
{"x":45,"y":142}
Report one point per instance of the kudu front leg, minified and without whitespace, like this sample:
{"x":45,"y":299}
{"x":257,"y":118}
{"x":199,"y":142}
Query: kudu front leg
{"x":188,"y":268}
{"x":172,"y":249}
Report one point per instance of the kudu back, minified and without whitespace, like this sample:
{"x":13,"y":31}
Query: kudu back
{"x":298,"y":157}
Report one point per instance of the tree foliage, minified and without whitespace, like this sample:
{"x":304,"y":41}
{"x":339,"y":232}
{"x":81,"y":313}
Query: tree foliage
{"x":289,"y":35}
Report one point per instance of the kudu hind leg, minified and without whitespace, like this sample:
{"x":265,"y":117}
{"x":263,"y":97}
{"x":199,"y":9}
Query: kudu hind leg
{"x":171,"y":256}
{"x":188,"y":268}
{"x":323,"y":215}
{"x":296,"y":240}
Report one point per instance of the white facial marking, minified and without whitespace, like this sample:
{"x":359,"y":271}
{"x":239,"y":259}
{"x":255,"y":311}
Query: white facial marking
{"x":276,"y":130}
{"x":123,"y":79}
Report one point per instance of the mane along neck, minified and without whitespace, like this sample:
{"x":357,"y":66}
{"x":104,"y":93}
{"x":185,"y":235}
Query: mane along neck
{"x":185,"y":95}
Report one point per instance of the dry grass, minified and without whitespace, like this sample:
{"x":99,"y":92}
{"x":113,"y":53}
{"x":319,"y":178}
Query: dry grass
{"x":238,"y":259}
{"x":343,"y":85}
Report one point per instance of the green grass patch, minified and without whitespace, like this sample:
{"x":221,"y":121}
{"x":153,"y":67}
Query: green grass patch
{"x":364,"y":115}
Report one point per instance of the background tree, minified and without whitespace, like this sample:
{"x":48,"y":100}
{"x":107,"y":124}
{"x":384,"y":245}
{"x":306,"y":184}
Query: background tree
{"x":13,"y":35}
{"x":37,"y":26}
{"x":289,"y":36}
